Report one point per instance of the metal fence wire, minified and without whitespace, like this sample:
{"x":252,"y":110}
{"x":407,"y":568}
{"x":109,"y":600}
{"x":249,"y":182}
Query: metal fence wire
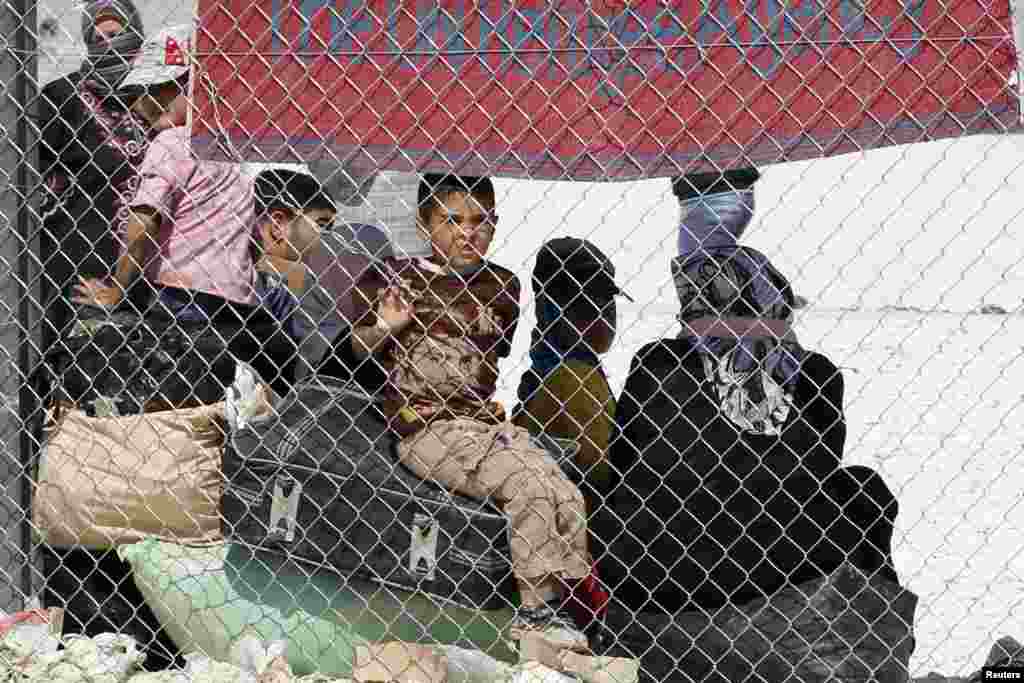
{"x":486,"y":341}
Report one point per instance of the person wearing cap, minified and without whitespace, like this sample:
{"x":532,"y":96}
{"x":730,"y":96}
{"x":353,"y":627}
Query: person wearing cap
{"x":192,"y":220}
{"x":90,"y":148}
{"x":438,"y":327}
{"x":565,"y":392}
{"x":732,"y":437}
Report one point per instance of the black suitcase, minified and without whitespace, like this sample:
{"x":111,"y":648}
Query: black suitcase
{"x":322,"y":483}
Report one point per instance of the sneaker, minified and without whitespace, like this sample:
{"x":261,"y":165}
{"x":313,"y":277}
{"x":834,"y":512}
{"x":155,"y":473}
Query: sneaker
{"x":552,"y":623}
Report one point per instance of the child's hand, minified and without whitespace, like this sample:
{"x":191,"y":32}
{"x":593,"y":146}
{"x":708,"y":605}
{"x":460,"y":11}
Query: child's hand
{"x":395,"y":309}
{"x":95,"y":292}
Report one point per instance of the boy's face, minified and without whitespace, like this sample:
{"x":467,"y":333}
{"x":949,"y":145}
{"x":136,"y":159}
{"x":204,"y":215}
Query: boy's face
{"x":460,"y":229}
{"x":305,"y":230}
{"x":291,"y":235}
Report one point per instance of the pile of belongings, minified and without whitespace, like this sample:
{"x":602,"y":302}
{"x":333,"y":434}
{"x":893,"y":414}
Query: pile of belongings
{"x":209,"y":498}
{"x":130,"y":451}
{"x":114,"y":364}
{"x":106,"y":481}
{"x":209,"y":598}
{"x":136,"y":421}
{"x":843,"y":627}
{"x":33,"y":651}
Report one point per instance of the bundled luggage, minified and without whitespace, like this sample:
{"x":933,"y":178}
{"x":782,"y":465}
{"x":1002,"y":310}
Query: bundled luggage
{"x":134,"y":446}
{"x":114,"y":364}
{"x":208,"y":597}
{"x":128,"y":362}
{"x":844,"y":627}
{"x":134,"y":451}
{"x":322,"y":483}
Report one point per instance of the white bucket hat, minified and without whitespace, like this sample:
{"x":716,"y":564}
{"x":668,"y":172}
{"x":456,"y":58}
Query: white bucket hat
{"x":163,"y":58}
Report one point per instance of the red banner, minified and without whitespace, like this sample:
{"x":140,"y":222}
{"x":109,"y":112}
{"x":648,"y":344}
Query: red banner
{"x":600,"y":90}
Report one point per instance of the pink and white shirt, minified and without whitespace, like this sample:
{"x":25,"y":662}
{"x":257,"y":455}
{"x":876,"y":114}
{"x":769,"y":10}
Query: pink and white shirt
{"x":208,"y":217}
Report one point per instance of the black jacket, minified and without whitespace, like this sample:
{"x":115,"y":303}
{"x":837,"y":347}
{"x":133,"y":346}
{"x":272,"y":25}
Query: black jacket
{"x":81,"y":172}
{"x":698,"y":513}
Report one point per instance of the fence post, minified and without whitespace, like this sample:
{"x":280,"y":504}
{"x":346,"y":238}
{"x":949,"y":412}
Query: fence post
{"x":19,"y":295}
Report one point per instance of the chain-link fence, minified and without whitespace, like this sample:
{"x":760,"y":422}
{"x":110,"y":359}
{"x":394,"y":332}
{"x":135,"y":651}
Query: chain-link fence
{"x":715,"y":380}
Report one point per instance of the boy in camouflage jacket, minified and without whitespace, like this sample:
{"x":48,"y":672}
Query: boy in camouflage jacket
{"x":438,"y":326}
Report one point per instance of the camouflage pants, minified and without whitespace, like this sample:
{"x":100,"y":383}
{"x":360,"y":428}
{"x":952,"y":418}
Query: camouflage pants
{"x":546,"y":512}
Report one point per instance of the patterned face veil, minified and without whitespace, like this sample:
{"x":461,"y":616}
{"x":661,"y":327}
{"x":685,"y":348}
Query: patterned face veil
{"x":716,"y":279}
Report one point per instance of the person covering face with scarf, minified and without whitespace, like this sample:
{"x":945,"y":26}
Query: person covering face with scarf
{"x":113,"y":34}
{"x":736,"y":308}
{"x":728,"y":460}
{"x":90,"y":149}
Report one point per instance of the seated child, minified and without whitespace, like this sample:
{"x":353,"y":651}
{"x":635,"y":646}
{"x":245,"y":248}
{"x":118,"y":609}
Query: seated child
{"x":191,"y":220}
{"x":565,"y":392}
{"x":438,"y":327}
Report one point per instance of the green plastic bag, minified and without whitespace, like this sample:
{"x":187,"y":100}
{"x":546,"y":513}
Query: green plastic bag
{"x":206,"y":597}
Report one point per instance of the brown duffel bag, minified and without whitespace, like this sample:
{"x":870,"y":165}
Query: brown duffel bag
{"x":107,"y":481}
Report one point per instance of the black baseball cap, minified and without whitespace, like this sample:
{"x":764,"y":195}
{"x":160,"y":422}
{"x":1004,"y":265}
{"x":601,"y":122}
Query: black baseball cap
{"x":282,"y":188}
{"x":572,"y":265}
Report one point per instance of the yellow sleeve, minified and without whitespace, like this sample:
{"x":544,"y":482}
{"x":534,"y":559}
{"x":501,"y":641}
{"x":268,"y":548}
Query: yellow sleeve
{"x":575,"y":403}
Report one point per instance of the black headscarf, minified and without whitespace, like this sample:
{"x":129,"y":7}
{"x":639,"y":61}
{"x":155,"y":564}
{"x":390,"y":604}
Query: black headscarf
{"x":109,"y":60}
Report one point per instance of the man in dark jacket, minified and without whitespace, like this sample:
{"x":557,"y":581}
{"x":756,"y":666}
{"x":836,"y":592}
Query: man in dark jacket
{"x":729,"y":459}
